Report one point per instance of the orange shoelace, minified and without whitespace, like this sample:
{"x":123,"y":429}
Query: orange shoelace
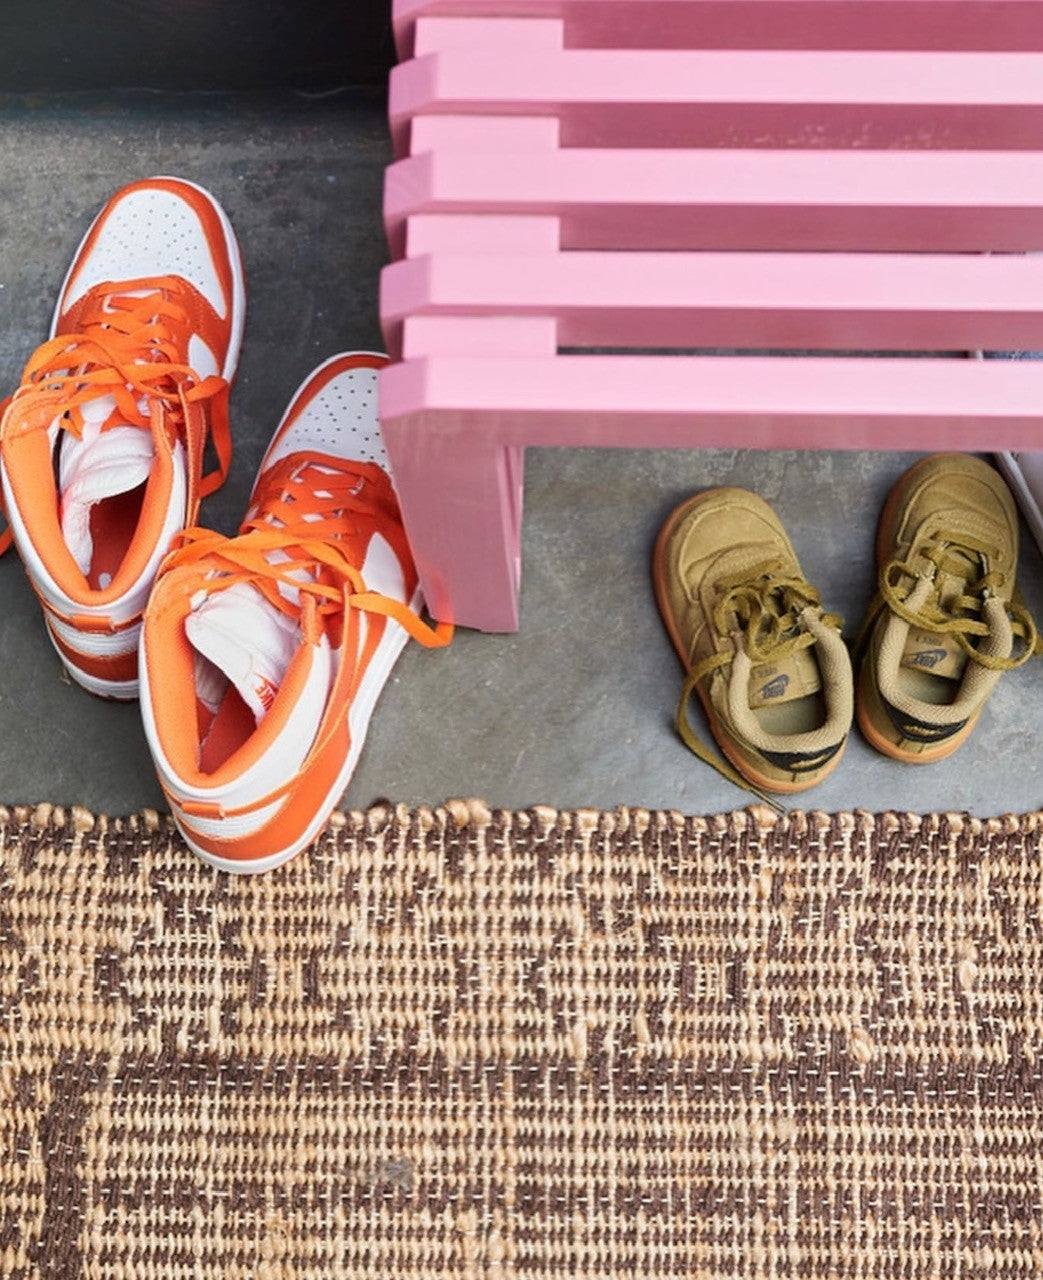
{"x":130,"y":348}
{"x":301,"y":552}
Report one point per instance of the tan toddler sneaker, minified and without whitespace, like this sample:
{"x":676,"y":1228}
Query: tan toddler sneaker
{"x":768,"y":664}
{"x":944,"y":625}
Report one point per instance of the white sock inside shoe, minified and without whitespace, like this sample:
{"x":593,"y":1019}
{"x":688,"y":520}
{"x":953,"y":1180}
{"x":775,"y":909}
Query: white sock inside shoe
{"x":100,"y":465}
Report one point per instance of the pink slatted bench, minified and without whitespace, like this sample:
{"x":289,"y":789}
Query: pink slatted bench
{"x":581,"y":184}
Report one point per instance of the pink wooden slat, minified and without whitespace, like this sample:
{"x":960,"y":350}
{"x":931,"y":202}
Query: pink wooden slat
{"x":725,"y":199}
{"x":416,"y":336}
{"x":829,"y":301}
{"x":462,"y":133}
{"x":455,"y":428}
{"x":458,"y":233}
{"x":535,"y":35}
{"x":759,"y":24}
{"x":414,"y":136}
{"x":667,"y":98}
{"x":726,"y":401}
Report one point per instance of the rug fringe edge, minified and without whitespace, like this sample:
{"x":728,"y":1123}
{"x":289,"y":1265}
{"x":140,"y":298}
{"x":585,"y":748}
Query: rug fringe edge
{"x":464,"y":813}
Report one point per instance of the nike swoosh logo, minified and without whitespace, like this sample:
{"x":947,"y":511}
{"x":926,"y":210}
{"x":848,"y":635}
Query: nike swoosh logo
{"x":928,"y":657}
{"x":774,"y":688}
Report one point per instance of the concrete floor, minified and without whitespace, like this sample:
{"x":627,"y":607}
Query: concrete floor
{"x":574,"y":710}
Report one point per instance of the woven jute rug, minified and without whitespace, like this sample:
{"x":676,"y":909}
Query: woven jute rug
{"x":467,"y":1043}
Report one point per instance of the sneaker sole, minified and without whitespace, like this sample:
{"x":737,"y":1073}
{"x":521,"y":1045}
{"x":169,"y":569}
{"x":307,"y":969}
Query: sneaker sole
{"x":659,"y":584}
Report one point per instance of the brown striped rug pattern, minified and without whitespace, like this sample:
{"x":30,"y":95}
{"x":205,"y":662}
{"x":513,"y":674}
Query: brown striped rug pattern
{"x":463,"y":1043}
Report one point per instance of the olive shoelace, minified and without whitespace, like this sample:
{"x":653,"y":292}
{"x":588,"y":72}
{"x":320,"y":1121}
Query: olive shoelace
{"x":948,"y":553}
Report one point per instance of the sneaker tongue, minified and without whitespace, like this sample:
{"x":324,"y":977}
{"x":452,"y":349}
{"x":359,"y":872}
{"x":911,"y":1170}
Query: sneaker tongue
{"x":961,"y":567}
{"x":792,"y":677}
{"x":248,"y":640}
{"x":935,"y":652}
{"x":101,"y":465}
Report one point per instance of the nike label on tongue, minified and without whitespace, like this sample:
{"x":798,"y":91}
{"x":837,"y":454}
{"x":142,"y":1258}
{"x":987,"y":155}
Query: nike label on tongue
{"x":265,"y":691}
{"x":793,"y":677}
{"x":940,"y":655}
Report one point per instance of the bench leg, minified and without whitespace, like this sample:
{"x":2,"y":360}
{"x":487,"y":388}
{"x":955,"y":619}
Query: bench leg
{"x":461,"y":503}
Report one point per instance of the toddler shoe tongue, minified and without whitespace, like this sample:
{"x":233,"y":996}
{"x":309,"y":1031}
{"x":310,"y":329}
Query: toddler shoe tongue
{"x":100,"y":465}
{"x":248,"y":640}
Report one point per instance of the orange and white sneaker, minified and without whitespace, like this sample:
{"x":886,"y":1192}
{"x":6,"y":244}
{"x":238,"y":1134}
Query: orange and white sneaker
{"x":262,"y":655}
{"x":101,"y":446}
